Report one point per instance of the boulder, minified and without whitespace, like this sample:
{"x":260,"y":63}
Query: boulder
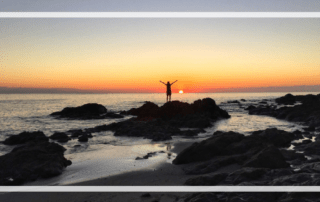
{"x":209,"y":148}
{"x":87,"y":111}
{"x":60,"y":137}
{"x":161,"y":123}
{"x":269,"y":157}
{"x":308,"y":112}
{"x":169,"y":110}
{"x":83,"y":138}
{"x":211,"y":179}
{"x":25,"y":137}
{"x":277,"y":137}
{"x":32,"y":161}
{"x":288,"y":99}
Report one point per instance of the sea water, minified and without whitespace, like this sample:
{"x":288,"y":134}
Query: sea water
{"x":106,"y":154}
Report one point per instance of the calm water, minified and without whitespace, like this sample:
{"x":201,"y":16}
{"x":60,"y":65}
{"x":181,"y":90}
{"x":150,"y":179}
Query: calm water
{"x":30,"y":112}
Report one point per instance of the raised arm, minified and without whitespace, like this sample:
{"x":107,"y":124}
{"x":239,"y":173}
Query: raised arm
{"x":174,"y":82}
{"x":163,"y":83}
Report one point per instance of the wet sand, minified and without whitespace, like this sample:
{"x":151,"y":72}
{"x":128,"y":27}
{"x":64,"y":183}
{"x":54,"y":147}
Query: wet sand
{"x":165,"y":174}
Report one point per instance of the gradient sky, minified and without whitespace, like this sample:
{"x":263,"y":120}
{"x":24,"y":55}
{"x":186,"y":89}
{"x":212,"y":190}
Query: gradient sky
{"x":160,"y":5}
{"x":134,"y":54}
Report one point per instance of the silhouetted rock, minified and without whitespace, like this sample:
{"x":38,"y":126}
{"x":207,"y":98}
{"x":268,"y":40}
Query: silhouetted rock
{"x":269,"y":157}
{"x":234,"y":102}
{"x":87,"y":111}
{"x":288,"y":99}
{"x":308,"y":112}
{"x":277,"y":137}
{"x":83,"y":138}
{"x":60,"y":137}
{"x":161,"y":123}
{"x":217,"y":145}
{"x":176,"y":109}
{"x":25,"y":137}
{"x":32,"y":161}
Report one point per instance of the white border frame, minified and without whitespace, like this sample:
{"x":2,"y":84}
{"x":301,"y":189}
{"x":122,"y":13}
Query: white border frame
{"x":159,"y":15}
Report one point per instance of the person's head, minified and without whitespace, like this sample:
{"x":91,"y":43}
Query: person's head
{"x":168,"y":82}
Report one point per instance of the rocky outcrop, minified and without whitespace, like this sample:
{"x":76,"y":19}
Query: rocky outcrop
{"x":256,"y":159}
{"x":87,"y":111}
{"x":176,"y":109}
{"x":32,"y":161}
{"x":307,"y":112}
{"x":288,"y":99}
{"x":25,"y":137}
{"x":161,"y":123}
{"x":250,"y":151}
{"x":279,"y":138}
{"x":60,"y":137}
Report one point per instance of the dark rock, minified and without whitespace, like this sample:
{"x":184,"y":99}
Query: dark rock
{"x":312,"y":148}
{"x":251,"y":107}
{"x":32,"y":161}
{"x":243,"y":100}
{"x":308,"y":112}
{"x":81,"y":134}
{"x":288,"y":99}
{"x":291,"y":155}
{"x":277,"y":137}
{"x":297,"y":179}
{"x":147,"y":156}
{"x":145,"y":195}
{"x":245,"y":175}
{"x":310,"y":128}
{"x":213,"y":164}
{"x":169,"y":110}
{"x":60,"y":137}
{"x":209,"y":148}
{"x":161,"y":123}
{"x":87,"y":111}
{"x":269,"y":157}
{"x":234,"y":102}
{"x":149,"y":109}
{"x":207,"y":179}
{"x":83,"y":138}
{"x":310,"y":168}
{"x":25,"y":137}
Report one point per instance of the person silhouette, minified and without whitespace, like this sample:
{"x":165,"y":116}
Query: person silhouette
{"x":168,"y":84}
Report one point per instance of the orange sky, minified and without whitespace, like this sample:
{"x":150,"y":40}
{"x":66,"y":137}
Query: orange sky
{"x":131,"y":54}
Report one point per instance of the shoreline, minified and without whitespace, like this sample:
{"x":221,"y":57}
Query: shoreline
{"x":163,"y":173}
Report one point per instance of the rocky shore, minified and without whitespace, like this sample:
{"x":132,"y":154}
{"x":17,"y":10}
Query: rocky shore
{"x":35,"y":158}
{"x":161,"y":123}
{"x":304,"y":109}
{"x":265,"y":157}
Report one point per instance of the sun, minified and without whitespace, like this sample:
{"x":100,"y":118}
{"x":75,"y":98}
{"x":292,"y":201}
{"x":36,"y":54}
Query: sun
{"x":181,"y":91}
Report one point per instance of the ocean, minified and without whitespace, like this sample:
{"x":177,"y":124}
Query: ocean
{"x":106,"y":154}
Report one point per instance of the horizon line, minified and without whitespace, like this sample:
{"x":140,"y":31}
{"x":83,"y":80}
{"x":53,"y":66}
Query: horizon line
{"x":159,"y":14}
{"x":28,"y":90}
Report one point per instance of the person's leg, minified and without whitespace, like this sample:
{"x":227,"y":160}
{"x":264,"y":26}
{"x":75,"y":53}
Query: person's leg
{"x":169,"y":98}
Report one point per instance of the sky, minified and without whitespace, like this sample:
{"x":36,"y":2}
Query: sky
{"x":132,"y":55}
{"x":160,"y":5}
